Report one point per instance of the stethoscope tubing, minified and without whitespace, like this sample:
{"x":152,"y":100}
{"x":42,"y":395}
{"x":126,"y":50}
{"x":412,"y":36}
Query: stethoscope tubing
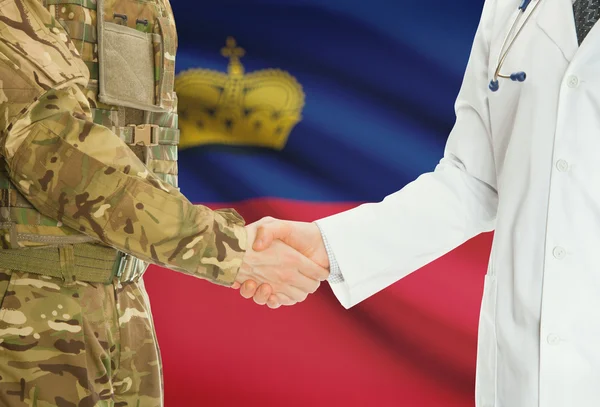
{"x":505,"y":49}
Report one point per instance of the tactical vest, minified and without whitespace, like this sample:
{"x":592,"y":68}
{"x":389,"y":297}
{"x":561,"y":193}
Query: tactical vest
{"x":129,"y":48}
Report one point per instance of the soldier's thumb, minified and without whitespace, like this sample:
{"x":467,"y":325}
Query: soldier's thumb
{"x":267,"y":233}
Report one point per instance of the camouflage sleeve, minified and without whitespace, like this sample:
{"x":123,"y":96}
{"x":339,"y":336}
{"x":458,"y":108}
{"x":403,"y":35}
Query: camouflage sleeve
{"x":81,"y":173}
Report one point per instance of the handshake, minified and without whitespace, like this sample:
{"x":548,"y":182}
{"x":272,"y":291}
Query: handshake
{"x":285,"y":262}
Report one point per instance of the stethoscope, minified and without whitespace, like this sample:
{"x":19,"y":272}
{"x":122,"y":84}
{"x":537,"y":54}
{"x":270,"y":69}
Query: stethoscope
{"x":516,"y":76}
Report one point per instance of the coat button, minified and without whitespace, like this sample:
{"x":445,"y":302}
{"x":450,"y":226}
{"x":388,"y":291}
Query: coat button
{"x":572,"y":81}
{"x":553,"y":339}
{"x":562,"y":165}
{"x":559,"y":253}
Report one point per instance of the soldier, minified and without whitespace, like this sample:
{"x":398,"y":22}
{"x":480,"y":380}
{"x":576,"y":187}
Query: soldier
{"x":89,"y":196}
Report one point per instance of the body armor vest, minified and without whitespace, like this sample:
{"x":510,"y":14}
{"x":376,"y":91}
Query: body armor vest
{"x":129,"y":48}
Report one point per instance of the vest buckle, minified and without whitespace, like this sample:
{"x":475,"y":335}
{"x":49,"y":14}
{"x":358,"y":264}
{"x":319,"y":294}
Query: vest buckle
{"x":144,"y":134}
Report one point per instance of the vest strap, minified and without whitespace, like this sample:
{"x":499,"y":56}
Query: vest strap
{"x":148,"y":135}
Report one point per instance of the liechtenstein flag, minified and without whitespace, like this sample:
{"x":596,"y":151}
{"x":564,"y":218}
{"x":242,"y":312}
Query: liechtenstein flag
{"x":300,"y":109}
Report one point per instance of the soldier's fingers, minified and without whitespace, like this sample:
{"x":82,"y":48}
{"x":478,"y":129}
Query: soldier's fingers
{"x":285,"y":300}
{"x":277,"y":300}
{"x":236,"y":286}
{"x":294,"y":293}
{"x":248,"y":289}
{"x":262,"y":294}
{"x":273,"y":302}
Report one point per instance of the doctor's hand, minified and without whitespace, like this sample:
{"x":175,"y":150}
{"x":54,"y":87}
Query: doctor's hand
{"x":303,"y":236}
{"x":289,"y":275}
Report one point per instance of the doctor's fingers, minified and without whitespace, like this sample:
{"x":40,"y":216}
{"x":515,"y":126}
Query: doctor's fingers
{"x":311,"y":269}
{"x":297,"y":286}
{"x":292,"y":269}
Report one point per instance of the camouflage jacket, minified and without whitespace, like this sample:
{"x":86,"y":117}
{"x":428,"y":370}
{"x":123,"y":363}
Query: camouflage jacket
{"x":77,"y":174}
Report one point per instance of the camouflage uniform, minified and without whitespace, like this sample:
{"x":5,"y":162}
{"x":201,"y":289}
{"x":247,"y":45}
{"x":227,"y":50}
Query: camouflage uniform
{"x":88,"y":182}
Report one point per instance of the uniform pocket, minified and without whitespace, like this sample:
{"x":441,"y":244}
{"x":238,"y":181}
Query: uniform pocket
{"x":126,"y":67}
{"x":485,"y":382}
{"x":14,"y":325}
{"x":131,"y":55}
{"x":37,"y":311}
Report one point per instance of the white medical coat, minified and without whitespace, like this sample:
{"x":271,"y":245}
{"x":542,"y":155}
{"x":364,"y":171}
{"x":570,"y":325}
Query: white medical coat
{"x":524,"y":161}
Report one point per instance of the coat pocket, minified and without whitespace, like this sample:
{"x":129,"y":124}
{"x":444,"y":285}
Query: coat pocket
{"x":485,"y":382}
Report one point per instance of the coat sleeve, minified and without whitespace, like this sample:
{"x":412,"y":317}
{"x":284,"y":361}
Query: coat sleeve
{"x":379,"y":243}
{"x":82,"y":174}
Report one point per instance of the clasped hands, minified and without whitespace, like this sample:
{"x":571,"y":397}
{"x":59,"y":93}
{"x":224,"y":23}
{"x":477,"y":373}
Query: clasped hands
{"x":285,"y":262}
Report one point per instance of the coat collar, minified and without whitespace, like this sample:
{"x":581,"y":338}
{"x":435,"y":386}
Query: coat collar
{"x":556,"y":19}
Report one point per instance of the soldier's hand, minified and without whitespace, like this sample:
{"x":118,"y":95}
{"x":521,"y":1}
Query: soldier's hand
{"x":285,"y":274}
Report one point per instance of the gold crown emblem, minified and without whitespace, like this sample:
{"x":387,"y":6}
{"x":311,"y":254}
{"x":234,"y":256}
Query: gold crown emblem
{"x":259,"y":108}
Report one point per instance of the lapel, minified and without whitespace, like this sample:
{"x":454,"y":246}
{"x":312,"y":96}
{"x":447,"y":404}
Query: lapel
{"x":556,"y":20}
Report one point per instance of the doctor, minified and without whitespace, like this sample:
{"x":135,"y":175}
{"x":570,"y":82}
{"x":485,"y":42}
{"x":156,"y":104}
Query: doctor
{"x":524,"y":159}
